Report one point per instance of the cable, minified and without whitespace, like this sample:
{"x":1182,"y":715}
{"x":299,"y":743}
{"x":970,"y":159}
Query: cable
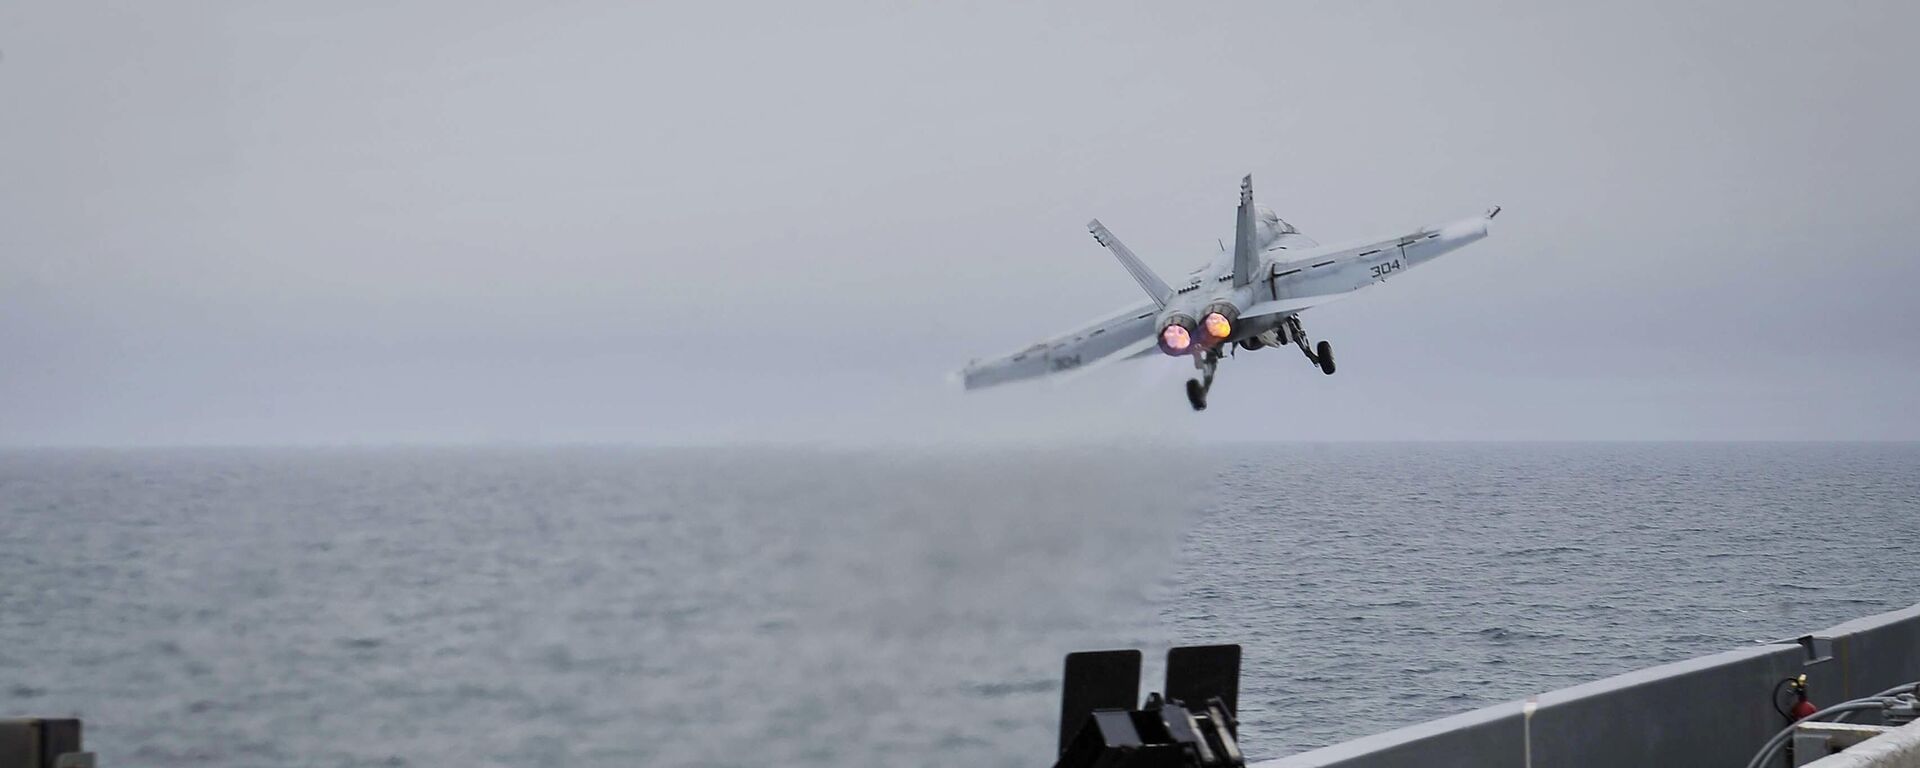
{"x":1784,"y":682}
{"x":1897,"y":690}
{"x":1913,"y":687}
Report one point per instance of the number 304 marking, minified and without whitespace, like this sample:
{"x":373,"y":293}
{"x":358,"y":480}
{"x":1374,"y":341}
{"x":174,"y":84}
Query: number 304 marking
{"x":1385,"y":268}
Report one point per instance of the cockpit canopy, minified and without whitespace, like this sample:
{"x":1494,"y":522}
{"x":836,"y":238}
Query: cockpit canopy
{"x":1270,"y":225}
{"x":1269,"y":231}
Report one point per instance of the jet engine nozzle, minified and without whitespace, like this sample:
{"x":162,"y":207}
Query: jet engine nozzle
{"x":1177,"y":335}
{"x":1217,"y":322}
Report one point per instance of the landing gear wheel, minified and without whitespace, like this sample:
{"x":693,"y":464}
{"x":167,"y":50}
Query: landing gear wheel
{"x":1324,"y":352}
{"x":1196,"y":395}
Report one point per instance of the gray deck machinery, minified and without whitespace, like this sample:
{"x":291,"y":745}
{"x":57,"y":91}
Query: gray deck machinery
{"x":1190,"y":725}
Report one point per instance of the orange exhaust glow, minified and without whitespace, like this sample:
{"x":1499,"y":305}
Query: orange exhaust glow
{"x":1218,"y":326}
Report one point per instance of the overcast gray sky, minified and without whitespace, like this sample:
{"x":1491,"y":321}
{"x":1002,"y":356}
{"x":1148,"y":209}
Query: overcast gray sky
{"x":666,"y":222}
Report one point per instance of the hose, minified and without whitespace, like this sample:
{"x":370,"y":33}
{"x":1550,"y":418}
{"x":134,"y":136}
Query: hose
{"x":1780,"y":739}
{"x":1784,"y":682}
{"x":1913,"y":687}
{"x":1897,"y":690}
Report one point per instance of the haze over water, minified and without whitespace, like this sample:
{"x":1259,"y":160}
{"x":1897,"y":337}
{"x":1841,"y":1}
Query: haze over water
{"x":603,"y":607}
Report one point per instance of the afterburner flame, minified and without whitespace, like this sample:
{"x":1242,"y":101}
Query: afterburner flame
{"x":1218,"y":326}
{"x":1175,"y":339}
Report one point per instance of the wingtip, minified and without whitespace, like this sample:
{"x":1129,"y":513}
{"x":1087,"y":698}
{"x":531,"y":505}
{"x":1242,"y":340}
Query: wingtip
{"x":1492,"y":212}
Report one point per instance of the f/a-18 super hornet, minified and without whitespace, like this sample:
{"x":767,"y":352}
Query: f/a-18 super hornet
{"x":1251,"y":298}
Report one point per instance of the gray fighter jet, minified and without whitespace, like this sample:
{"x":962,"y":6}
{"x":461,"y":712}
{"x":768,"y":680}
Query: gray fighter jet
{"x":1251,"y":297}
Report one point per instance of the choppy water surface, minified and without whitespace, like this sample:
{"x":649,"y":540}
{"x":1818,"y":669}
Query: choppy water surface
{"x":823,"y":607}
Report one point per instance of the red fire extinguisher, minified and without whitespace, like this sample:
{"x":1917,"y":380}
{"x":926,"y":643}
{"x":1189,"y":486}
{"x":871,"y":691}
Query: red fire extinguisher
{"x":1802,"y":708}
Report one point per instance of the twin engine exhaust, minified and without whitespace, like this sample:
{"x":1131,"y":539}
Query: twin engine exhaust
{"x":1181,"y":335}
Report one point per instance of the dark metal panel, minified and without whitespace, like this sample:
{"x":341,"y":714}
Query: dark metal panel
{"x":37,"y":742}
{"x":1097,"y":680}
{"x":1196,"y":673}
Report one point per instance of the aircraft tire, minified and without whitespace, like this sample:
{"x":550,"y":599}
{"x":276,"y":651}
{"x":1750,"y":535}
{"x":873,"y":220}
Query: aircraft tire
{"x":1196,"y":395}
{"x":1324,"y":351}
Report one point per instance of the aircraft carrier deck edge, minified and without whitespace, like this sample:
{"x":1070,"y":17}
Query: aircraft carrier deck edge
{"x":1713,"y":710}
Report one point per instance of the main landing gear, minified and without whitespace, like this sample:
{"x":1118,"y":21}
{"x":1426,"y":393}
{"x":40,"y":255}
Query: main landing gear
{"x":1197,"y":388}
{"x":1319,"y":354}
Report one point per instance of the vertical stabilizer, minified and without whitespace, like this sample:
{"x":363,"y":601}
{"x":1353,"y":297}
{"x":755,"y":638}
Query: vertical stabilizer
{"x":1246,"y":257}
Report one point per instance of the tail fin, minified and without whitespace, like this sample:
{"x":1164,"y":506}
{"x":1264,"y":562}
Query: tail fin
{"x":1155,"y":287}
{"x":1246,"y":256}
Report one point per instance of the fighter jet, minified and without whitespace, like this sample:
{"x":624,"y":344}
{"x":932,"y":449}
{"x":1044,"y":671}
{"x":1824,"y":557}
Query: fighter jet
{"x":1250,"y":298}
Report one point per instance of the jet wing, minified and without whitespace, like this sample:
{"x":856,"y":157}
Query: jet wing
{"x":1118,"y":336}
{"x":1293,"y":306}
{"x":1320,"y":275}
{"x":1328,"y":273}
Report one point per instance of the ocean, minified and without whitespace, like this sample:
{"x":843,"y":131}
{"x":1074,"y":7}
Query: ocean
{"x":798,"y":606}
